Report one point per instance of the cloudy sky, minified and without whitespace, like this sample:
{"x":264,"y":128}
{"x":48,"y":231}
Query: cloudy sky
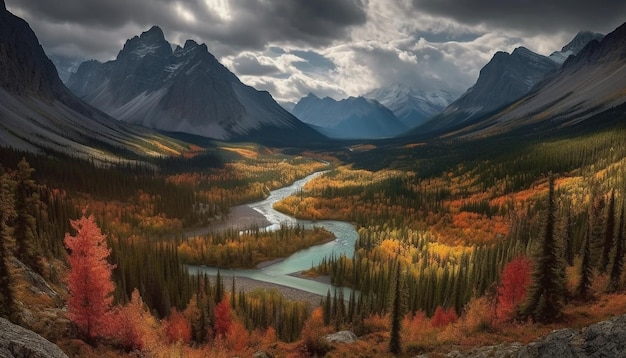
{"x":334,"y":48}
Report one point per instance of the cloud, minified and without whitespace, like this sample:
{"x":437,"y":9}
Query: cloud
{"x":248,"y":64}
{"x":333,"y":48}
{"x":236,"y":25}
{"x":530,"y":17}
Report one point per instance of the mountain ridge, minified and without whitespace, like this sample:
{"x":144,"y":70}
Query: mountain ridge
{"x":182,"y":90}
{"x":349,"y":118}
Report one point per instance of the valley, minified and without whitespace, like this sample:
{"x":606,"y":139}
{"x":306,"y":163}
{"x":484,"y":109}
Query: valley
{"x":159,"y":204}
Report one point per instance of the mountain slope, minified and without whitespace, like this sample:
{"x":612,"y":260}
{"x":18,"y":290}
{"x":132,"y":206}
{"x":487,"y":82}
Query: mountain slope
{"x":40,"y":114}
{"x":592,"y":82}
{"x":350,"y":118}
{"x":503,"y":80}
{"x":575,"y":46}
{"x":412,"y":107}
{"x":182,"y":90}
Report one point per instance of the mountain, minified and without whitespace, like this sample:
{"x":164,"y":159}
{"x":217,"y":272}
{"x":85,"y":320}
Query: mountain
{"x":185,"y":90}
{"x":575,"y":46}
{"x":412,"y":107}
{"x":350,"y":118}
{"x":506,"y":78}
{"x":39,"y":114}
{"x":588,"y":84}
{"x":65,"y":65}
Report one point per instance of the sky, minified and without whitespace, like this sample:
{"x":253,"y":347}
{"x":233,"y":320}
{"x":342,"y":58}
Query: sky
{"x":335,"y":48}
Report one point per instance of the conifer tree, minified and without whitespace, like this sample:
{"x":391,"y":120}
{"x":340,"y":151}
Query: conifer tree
{"x":547,"y":290}
{"x":569,"y":240}
{"x":617,"y":266}
{"x":609,"y":232}
{"x":89,"y":279}
{"x":395,"y":345}
{"x":586,"y":268}
{"x":25,"y":224}
{"x":7,"y":213}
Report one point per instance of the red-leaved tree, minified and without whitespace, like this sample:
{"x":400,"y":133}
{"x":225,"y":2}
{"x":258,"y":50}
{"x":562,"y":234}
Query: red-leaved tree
{"x":222,"y":318}
{"x":89,"y":278}
{"x":443,"y":317}
{"x":513,"y":286}
{"x":178,"y":328}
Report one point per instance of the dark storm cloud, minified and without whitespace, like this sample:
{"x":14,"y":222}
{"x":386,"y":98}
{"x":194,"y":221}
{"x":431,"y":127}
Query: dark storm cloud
{"x":249,"y":24}
{"x":248,"y":64}
{"x":531,"y":16}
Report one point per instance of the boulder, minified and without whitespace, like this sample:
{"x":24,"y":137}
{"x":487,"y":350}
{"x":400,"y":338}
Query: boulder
{"x":341,"y":337}
{"x":18,"y":342}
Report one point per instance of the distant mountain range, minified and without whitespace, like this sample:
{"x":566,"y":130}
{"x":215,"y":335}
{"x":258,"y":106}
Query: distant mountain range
{"x":412,"y":106}
{"x":184,"y":90}
{"x":39,"y":114}
{"x":350,"y":118}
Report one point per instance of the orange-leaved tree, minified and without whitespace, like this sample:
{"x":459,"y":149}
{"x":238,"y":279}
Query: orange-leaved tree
{"x":178,"y":329}
{"x":223,"y":319}
{"x":89,"y":279}
{"x":512,"y":290}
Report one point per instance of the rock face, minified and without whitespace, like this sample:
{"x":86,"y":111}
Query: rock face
{"x":18,"y":342}
{"x":181,"y":90}
{"x":411,"y":106}
{"x":604,"y":339}
{"x":350,"y":118}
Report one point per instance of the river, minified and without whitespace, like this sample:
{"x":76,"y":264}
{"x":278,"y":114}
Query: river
{"x":281,"y":272}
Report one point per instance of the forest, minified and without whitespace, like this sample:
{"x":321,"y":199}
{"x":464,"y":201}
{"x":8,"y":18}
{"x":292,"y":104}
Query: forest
{"x":500,"y":239}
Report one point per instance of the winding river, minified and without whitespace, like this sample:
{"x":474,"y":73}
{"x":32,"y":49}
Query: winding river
{"x":279,"y":272}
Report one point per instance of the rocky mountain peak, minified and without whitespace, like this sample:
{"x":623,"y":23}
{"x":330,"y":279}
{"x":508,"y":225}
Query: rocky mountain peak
{"x":151,"y":42}
{"x":581,"y":40}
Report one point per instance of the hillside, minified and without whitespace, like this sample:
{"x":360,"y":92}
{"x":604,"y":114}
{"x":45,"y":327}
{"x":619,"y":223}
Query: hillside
{"x":40,"y":114}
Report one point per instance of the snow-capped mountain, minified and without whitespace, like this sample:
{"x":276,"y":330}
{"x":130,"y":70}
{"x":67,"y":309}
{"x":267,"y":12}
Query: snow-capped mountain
{"x":350,"y":118}
{"x":588,"y":84}
{"x":411,"y":106}
{"x":573,"y":47}
{"x":506,"y":78}
{"x":39,"y":114}
{"x":185,"y":90}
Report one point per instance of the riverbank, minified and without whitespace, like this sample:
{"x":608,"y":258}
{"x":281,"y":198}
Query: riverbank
{"x":240,"y":218}
{"x":247,"y":284}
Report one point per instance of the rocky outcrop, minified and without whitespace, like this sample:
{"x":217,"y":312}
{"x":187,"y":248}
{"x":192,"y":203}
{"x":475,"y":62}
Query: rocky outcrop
{"x":604,"y":339}
{"x":18,"y":342}
{"x":341,"y":337}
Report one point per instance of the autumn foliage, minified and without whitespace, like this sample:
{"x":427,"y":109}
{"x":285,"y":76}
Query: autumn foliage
{"x":223,"y":318}
{"x":178,"y":328}
{"x":89,"y":279}
{"x":443,"y":317}
{"x":513,"y":286}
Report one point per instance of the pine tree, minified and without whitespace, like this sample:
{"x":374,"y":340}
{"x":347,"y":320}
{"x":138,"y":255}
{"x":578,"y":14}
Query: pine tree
{"x":7,"y":213}
{"x":395,"y":345}
{"x":547,"y":291}
{"x":25,"y":224}
{"x":586,"y":268}
{"x":617,"y":266}
{"x":569,"y":240}
{"x":609,"y":232}
{"x":89,"y":279}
